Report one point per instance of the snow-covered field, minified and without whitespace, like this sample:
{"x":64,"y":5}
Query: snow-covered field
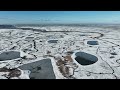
{"x":60,"y":44}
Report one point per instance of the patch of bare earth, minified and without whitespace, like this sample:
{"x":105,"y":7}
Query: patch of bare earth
{"x":62,"y":62}
{"x":15,"y":72}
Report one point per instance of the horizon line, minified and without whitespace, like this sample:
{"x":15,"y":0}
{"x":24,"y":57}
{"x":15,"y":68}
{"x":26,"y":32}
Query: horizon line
{"x":54,"y":23}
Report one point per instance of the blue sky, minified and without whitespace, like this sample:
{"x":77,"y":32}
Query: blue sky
{"x":37,"y":17}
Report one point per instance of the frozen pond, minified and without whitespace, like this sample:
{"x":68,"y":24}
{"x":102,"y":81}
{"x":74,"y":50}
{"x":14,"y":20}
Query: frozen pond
{"x":40,"y":70}
{"x":9,"y":55}
{"x":92,"y":42}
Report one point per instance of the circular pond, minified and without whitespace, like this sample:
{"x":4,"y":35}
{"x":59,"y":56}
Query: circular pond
{"x":85,"y":58}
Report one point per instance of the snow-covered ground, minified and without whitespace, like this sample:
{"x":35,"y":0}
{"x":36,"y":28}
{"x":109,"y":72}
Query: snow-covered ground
{"x":60,"y":44}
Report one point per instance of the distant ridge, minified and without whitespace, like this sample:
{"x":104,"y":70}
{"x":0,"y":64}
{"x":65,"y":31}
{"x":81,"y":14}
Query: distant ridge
{"x":20,"y":26}
{"x":81,"y":25}
{"x":7,"y":27}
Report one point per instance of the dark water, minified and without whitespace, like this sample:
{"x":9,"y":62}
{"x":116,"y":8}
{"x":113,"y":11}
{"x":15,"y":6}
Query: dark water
{"x":85,"y":58}
{"x":40,"y":69}
{"x":92,"y":42}
{"x":82,"y":35}
{"x":52,"y":41}
{"x":9,"y":55}
{"x":113,"y":53}
{"x":83,"y":61}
